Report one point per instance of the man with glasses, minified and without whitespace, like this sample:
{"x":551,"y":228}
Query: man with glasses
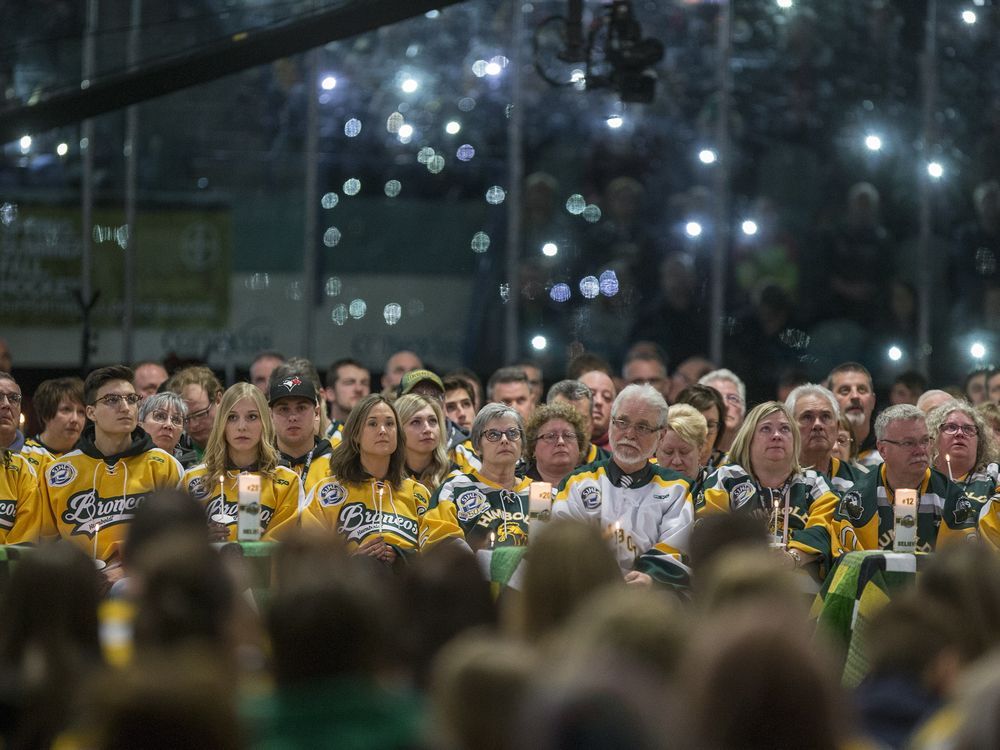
{"x":11,"y":437}
{"x":201,"y":392}
{"x":646,"y":510}
{"x":865,"y":518}
{"x":93,"y":492}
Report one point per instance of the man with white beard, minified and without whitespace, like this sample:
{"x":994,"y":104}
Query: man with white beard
{"x":851,"y":384}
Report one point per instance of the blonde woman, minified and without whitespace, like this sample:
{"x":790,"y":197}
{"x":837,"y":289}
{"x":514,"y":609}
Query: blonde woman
{"x":424,"y":439}
{"x":242,"y":442}
{"x":683,"y":442}
{"x":764,"y":478}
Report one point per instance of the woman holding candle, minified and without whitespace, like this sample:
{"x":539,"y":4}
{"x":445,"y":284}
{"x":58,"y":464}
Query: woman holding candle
{"x":491,"y":504}
{"x":764,"y":478}
{"x":424,"y":438}
{"x":242,"y":442}
{"x":367,"y":499}
{"x":961,"y":446}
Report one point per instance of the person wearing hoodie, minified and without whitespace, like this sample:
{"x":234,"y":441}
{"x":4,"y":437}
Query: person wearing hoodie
{"x":294,"y":403}
{"x":91,"y":494}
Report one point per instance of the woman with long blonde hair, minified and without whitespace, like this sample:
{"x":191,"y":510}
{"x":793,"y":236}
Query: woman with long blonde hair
{"x":424,"y":439}
{"x":242,"y":442}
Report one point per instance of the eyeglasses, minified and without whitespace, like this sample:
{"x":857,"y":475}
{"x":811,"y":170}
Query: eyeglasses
{"x":161,"y":417}
{"x":513,"y":435}
{"x":734,"y":398}
{"x":12,"y":398}
{"x":198,"y":415}
{"x":641,"y":428}
{"x":909,"y":445}
{"x":554,"y":437}
{"x":953,"y":428}
{"x":114,"y":399}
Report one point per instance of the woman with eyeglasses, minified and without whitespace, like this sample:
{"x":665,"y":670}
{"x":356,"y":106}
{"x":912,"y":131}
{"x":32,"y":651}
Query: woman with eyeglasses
{"x":242,"y":442}
{"x":961,"y":447}
{"x":763,"y":478}
{"x":368,"y":500}
{"x":162,"y":416}
{"x":490,"y":504}
{"x":556,"y":439}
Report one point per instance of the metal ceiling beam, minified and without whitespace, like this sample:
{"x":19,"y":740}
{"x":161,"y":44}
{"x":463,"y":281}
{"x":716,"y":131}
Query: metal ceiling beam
{"x":240,"y":51}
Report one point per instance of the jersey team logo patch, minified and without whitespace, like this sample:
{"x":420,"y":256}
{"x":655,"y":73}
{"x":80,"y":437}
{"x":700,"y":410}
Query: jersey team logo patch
{"x":741,"y":494}
{"x":61,"y":474}
{"x":470,"y":504}
{"x":851,"y":506}
{"x":590,"y":497}
{"x":332,"y":494}
{"x":196,"y":487}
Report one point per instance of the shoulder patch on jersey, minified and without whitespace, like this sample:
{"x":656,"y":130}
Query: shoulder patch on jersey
{"x":196,"y":487}
{"x":332,"y":494}
{"x":590,"y":497}
{"x":741,"y":494}
{"x":851,"y":506}
{"x":61,"y":474}
{"x":470,"y":504}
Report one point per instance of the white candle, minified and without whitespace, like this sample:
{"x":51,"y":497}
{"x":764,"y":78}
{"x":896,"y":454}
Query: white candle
{"x":97,"y":530}
{"x":947,"y":460}
{"x":493,"y":540}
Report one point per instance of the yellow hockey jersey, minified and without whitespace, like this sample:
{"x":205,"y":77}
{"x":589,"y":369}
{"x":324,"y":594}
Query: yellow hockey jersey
{"x":20,"y":503}
{"x":357,"y":510}
{"x":281,"y":498}
{"x":91,"y":499}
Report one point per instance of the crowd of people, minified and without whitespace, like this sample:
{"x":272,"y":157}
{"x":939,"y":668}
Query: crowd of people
{"x":608,"y":561}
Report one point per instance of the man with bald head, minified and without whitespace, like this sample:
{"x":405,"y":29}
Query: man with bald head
{"x":396,"y":367}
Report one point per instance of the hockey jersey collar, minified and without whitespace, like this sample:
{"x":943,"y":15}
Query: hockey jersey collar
{"x":141,"y":442}
{"x":636,"y":479}
{"x":321,"y":447}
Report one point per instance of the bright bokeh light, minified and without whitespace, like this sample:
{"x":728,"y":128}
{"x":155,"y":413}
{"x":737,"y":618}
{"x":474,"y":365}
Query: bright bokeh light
{"x":550,"y":249}
{"x":784,"y":4}
{"x":977,"y":350}
{"x":329,"y":83}
{"x":615,"y":122}
{"x":62,"y":149}
{"x":749,"y":227}
{"x":707,"y":156}
{"x":405,"y":131}
{"x":409,"y":85}
{"x":692,"y":229}
{"x":25,"y":143}
{"x":895,"y":353}
{"x":873,"y":143}
{"x":539,"y":342}
{"x":969,"y":16}
{"x":935,"y":170}
{"x":493,"y":68}
{"x":452,"y":127}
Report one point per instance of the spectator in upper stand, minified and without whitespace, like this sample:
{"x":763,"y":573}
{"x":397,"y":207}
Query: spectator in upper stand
{"x":59,"y":404}
{"x":688,"y":372}
{"x":993,"y":386}
{"x":536,"y":379}
{"x":262,"y":366}
{"x":396,"y":367}
{"x":460,"y":402}
{"x":907,"y":388}
{"x":604,"y":392}
{"x":975,"y":386}
{"x":643,"y":366}
{"x":347,"y":382}
{"x":817,"y":413}
{"x":974,"y":272}
{"x":674,"y":321}
{"x":577,"y":395}
{"x":202,"y":392}
{"x":851,"y":384}
{"x":510,"y":386}
{"x":858,"y":254}
{"x":149,"y":376}
{"x":930,"y":400}
{"x":734,"y":393}
{"x":765,"y":331}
